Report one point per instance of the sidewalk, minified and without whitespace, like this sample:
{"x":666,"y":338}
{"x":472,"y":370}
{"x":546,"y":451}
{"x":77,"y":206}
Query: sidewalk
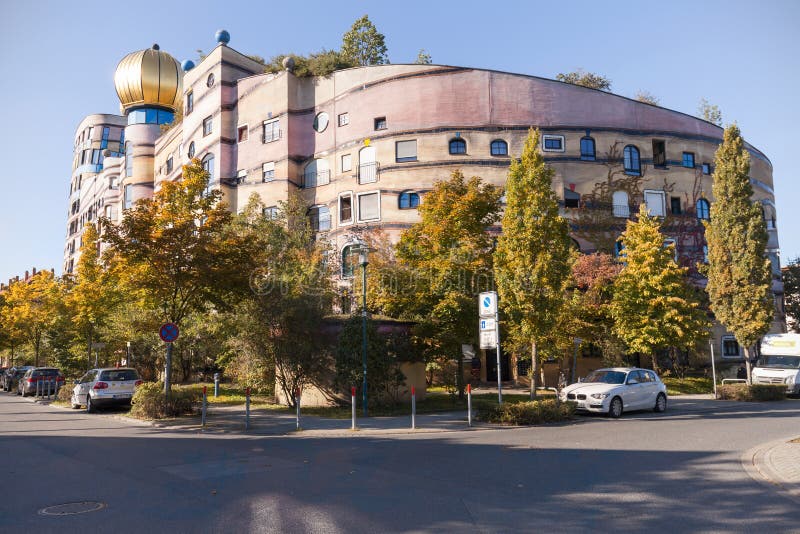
{"x":776,"y":463}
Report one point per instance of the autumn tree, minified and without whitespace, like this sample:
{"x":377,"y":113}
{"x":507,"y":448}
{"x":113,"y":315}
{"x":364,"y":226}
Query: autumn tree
{"x":93,"y":296}
{"x":532,"y":260}
{"x":739,"y":274}
{"x":443,"y":262}
{"x":709,"y":112}
{"x":30,"y":310}
{"x":654,"y":307}
{"x":174,"y":252}
{"x":423,"y":57}
{"x":363,"y":44}
{"x":585,"y":79}
{"x":647,"y":97}
{"x":791,"y":294}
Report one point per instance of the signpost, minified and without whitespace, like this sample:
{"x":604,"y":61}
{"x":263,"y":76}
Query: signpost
{"x":168,"y":333}
{"x":490,"y":332}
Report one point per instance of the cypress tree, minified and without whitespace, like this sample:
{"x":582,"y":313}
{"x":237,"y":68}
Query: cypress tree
{"x":739,"y":280}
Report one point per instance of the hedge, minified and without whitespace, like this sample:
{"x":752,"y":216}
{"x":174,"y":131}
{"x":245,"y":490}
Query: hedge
{"x":752,"y":392}
{"x":148,"y":402}
{"x":527,"y":413}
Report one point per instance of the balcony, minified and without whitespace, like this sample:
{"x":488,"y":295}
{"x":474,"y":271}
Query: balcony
{"x":368,"y":173}
{"x":316,"y":178}
{"x":621,"y":210}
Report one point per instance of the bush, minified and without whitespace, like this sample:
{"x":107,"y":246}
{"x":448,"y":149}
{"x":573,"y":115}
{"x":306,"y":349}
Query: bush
{"x":753,"y":392}
{"x":148,"y":402}
{"x":527,"y":413}
{"x":65,"y":393}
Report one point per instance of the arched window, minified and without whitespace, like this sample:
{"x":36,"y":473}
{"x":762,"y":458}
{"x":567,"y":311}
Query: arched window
{"x":458,"y":146}
{"x":349,"y":260}
{"x":587,"y":149}
{"x":499,"y":148}
{"x":208,"y":166}
{"x":128,"y":159}
{"x":190,"y":153}
{"x":620,"y":206}
{"x":703,"y":211}
{"x":408,"y":200}
{"x":320,"y":218}
{"x":631,"y":160}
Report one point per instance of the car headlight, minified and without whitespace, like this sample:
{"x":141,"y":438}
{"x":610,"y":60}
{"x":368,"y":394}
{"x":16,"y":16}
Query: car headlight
{"x":599,"y":395}
{"x":789,"y":380}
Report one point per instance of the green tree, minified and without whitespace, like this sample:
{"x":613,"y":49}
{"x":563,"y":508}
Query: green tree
{"x":739,"y":278}
{"x":30,"y":310}
{"x":174,"y":251}
{"x":532,"y":260}
{"x":791,"y":294}
{"x":709,"y":112}
{"x":654,"y":307}
{"x":363,"y":44}
{"x":423,"y":58}
{"x":442,"y":262}
{"x":586,"y":79}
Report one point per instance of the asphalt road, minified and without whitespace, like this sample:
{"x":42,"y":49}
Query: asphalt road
{"x":674,"y":472}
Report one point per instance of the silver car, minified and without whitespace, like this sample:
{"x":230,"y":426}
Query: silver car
{"x":616,"y":389}
{"x":105,"y":387}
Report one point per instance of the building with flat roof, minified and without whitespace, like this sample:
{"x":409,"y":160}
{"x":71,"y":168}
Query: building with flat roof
{"x":364,"y":145}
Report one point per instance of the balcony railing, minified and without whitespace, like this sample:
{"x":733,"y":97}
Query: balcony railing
{"x":621,"y":210}
{"x":316,"y":178}
{"x":368,"y":173}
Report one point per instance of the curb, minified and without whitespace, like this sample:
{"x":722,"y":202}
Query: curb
{"x":757,"y":463}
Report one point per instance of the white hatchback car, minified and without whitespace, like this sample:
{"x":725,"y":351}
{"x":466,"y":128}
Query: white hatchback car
{"x":105,"y":387}
{"x":616,"y":389}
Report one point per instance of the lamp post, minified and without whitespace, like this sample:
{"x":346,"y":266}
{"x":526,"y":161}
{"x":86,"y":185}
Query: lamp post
{"x":362,"y":259}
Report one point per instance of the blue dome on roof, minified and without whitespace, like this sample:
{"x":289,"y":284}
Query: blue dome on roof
{"x":187,"y":65}
{"x":222,"y":36}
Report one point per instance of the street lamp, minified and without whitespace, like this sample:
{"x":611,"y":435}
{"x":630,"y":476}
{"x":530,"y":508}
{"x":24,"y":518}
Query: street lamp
{"x":363,"y":260}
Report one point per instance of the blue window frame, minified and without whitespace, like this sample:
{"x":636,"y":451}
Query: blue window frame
{"x":458,"y":146}
{"x":408,"y":200}
{"x":499,"y":148}
{"x":104,"y":140}
{"x":703,"y":210}
{"x":706,"y":168}
{"x":688,"y":159}
{"x":631,"y":160}
{"x":553,"y":142}
{"x":587,"y":149}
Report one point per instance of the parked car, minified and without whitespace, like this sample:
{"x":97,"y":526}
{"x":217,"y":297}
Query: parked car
{"x":614,"y":390}
{"x":779,"y":362}
{"x":11,"y":377}
{"x":105,"y":387}
{"x":48,"y":376}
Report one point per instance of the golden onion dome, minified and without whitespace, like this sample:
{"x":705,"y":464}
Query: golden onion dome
{"x":149,"y":78}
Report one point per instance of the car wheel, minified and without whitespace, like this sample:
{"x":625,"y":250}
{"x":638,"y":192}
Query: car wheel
{"x":89,"y":406}
{"x":661,"y":403}
{"x":615,"y":408}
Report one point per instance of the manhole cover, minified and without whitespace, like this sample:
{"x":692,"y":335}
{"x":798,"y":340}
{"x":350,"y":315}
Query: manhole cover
{"x":72,"y":508}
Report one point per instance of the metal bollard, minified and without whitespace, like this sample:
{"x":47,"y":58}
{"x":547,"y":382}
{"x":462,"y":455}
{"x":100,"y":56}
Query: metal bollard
{"x":469,"y":404}
{"x":297,"y":405}
{"x":216,"y":385}
{"x":49,"y":388}
{"x":205,"y":403}
{"x":353,"y":402}
{"x":247,"y":409}
{"x":38,"y":387}
{"x":413,"y":408}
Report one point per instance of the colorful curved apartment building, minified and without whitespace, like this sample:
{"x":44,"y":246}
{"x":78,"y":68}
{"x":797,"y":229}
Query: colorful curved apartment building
{"x":363,"y":146}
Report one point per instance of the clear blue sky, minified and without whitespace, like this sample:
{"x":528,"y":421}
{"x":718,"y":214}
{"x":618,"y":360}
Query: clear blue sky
{"x":58,"y":59}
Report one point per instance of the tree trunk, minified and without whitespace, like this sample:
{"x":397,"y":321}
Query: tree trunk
{"x":747,"y":364}
{"x":460,"y":376}
{"x":654,"y":361}
{"x":534,"y":370}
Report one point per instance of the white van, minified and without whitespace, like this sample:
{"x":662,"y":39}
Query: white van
{"x":779,"y":362}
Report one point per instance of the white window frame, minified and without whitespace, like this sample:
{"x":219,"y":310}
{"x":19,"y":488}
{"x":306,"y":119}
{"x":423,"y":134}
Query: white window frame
{"x":352,"y":219}
{"x":264,"y":169}
{"x":210,"y":122}
{"x":358,"y":205}
{"x":241,"y":176}
{"x":663,"y":196}
{"x":623,"y":211}
{"x":276,"y":132}
{"x":560,"y":137}
{"x":272,"y":212}
{"x":349,"y":162}
{"x":722,"y":341}
{"x":247,"y":133}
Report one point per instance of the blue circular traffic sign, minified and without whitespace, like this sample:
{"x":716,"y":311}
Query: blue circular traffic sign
{"x":168,"y":332}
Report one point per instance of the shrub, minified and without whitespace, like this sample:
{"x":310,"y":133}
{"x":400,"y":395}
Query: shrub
{"x":527,"y":413}
{"x":65,"y":393}
{"x":148,"y":402}
{"x":753,"y":392}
